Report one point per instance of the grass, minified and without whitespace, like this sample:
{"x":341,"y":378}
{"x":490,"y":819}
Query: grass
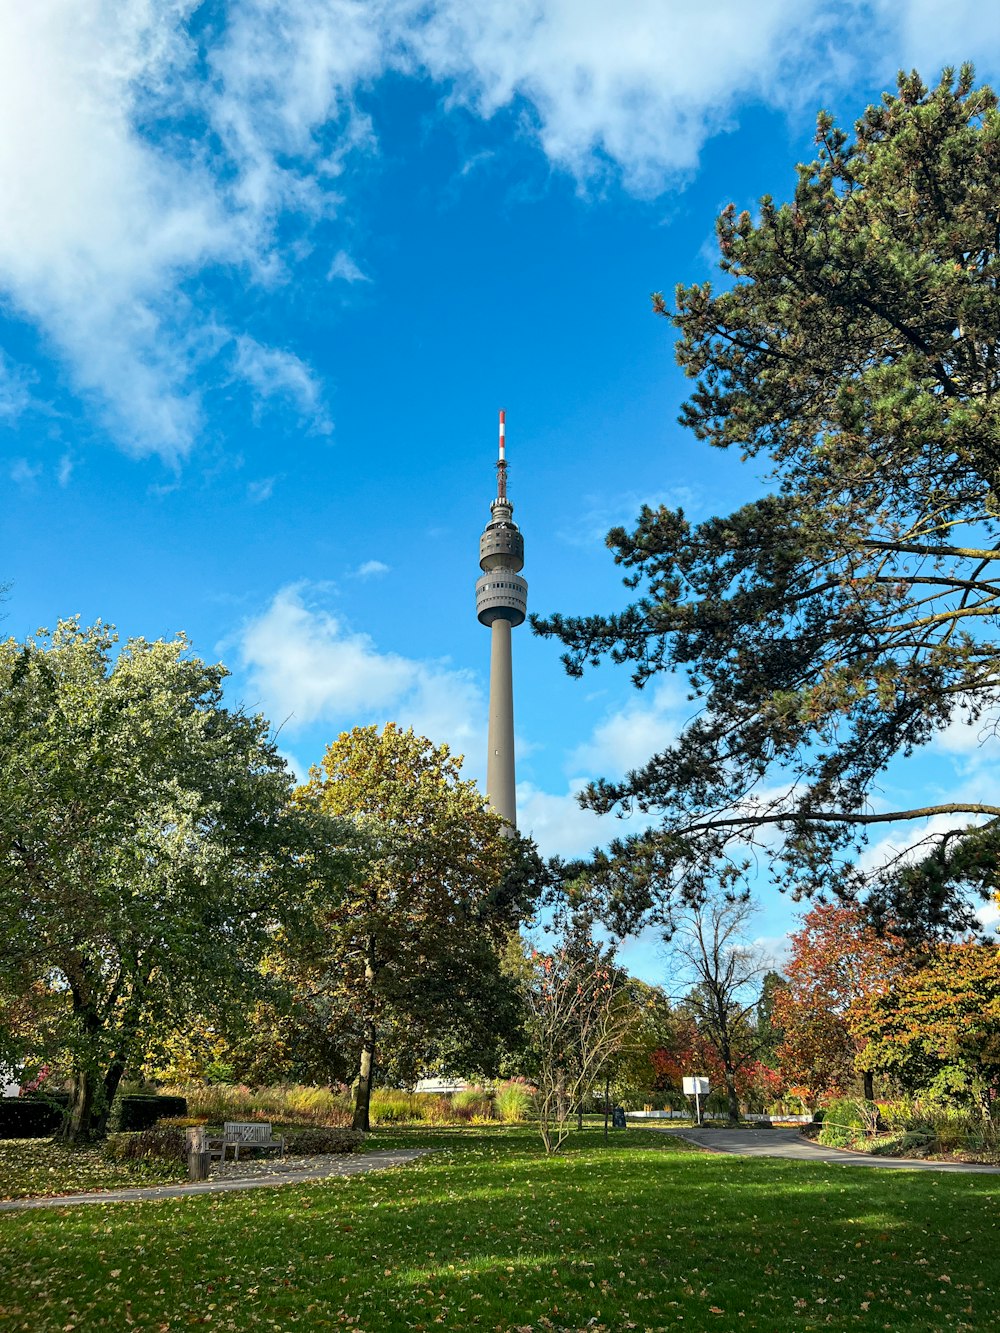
{"x":489,"y":1234}
{"x":46,"y":1166}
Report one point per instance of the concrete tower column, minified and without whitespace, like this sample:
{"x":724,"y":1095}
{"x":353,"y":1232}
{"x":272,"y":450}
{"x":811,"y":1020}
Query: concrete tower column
{"x":501,"y":603}
{"x":500,"y":758}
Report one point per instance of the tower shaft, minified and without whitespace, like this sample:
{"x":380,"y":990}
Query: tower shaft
{"x":500,"y":789}
{"x":501,"y":603}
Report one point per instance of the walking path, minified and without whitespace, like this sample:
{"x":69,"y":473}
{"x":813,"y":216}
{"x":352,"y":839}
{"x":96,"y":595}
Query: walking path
{"x":790,"y":1143}
{"x":279,"y":1173}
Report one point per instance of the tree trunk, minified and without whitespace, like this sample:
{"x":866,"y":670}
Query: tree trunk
{"x":869,"y":1085}
{"x":732,"y":1101}
{"x":363,"y":1089}
{"x":78,"y":1126}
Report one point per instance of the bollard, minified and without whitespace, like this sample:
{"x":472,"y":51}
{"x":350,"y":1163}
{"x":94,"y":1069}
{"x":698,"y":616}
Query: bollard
{"x":198,"y":1153}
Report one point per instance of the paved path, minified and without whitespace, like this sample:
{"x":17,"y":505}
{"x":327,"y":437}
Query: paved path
{"x":328,"y":1166}
{"x":790,"y":1143}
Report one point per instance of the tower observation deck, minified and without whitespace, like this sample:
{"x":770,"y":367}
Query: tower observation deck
{"x":501,"y":603}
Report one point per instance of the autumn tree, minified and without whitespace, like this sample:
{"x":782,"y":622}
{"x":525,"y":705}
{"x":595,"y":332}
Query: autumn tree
{"x":937,"y":1029}
{"x":411,"y":956}
{"x":147,"y":847}
{"x":850,"y":613}
{"x":838,"y":960}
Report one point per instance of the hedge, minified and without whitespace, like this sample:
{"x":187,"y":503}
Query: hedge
{"x":28,"y":1118}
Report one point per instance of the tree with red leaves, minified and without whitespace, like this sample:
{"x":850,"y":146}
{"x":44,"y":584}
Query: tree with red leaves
{"x":837,"y":961}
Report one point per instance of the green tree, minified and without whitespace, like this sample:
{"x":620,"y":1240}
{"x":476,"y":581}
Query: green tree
{"x":147,"y":849}
{"x":411,"y":963}
{"x":844,"y":617}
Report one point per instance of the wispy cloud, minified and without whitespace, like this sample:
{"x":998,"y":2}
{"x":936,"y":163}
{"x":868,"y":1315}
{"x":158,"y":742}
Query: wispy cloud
{"x":259,"y":491}
{"x":370,"y":569}
{"x":274,"y":373}
{"x":15,"y":391}
{"x":23,"y":473}
{"x":344,"y":268}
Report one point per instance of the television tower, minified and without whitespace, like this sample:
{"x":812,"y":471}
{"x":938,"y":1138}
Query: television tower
{"x":501,"y":603}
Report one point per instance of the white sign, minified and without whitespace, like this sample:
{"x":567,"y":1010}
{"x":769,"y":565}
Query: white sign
{"x":696,"y":1087}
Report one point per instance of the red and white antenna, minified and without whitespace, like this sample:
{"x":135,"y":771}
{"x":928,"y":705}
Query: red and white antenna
{"x":502,"y":459}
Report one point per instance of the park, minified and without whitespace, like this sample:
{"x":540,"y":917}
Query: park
{"x":651,"y":981}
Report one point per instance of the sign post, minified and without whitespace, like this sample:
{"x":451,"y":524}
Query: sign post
{"x":697,"y":1088}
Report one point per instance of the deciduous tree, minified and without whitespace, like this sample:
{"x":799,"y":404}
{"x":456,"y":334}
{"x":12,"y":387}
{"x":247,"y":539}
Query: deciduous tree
{"x":937,"y":1030}
{"x":837,"y":961}
{"x":147,"y":849}
{"x":411,"y":958}
{"x":711,"y":946}
{"x":579,"y":1016}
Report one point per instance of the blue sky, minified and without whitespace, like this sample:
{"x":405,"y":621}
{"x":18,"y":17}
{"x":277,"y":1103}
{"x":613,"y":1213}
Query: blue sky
{"x":269,"y":270}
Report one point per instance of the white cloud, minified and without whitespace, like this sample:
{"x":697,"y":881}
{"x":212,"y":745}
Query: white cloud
{"x":307,"y":666}
{"x":65,"y":470}
{"x":596,"y":515}
{"x":628,"y":737}
{"x":128,"y":176}
{"x":558,"y":823}
{"x":932,"y":35}
{"x":273,"y":373}
{"x":641,"y":84}
{"x":370,"y":569}
{"x":344,"y":267}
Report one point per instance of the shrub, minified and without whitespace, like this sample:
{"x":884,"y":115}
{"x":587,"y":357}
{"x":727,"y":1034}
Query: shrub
{"x":322,"y":1138}
{"x":472,"y":1104}
{"x":844,"y":1122}
{"x":513,"y":1101}
{"x":147,"y":1145}
{"x":28,"y":1118}
{"x":141,"y":1112}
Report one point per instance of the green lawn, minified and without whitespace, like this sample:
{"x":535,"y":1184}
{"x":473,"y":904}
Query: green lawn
{"x":46,"y":1166}
{"x":487,"y":1233}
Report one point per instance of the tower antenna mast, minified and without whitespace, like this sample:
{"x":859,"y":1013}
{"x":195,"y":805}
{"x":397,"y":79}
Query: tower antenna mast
{"x":502,"y":458}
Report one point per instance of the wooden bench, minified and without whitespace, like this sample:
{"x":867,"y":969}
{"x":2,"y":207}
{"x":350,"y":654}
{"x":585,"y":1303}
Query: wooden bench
{"x":238,"y":1134}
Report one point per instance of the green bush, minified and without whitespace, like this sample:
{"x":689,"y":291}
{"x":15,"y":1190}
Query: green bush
{"x":844,"y":1122}
{"x":321,"y":1139}
{"x":513,"y":1101}
{"x":147,"y":1145}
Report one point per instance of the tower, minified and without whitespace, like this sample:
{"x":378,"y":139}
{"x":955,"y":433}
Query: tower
{"x":501,"y":603}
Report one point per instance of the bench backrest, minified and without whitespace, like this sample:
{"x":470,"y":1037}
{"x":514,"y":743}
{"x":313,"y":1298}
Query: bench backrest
{"x":237,"y":1131}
